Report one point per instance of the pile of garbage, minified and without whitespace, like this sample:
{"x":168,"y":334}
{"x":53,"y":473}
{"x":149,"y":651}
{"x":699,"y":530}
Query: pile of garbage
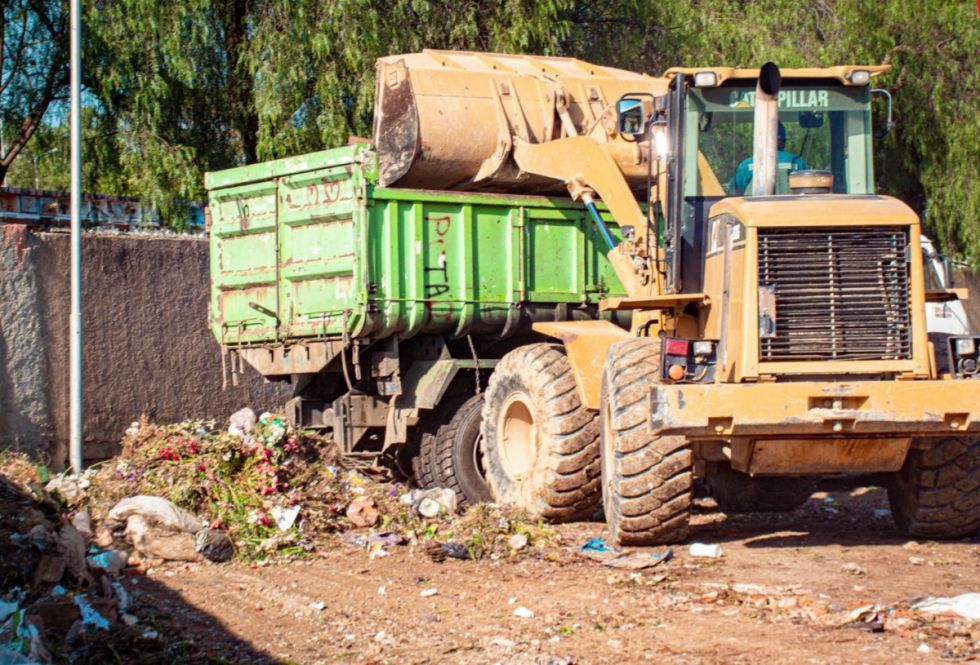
{"x":61,"y":596}
{"x":259,"y":489}
{"x":234,"y":491}
{"x":256,"y":490}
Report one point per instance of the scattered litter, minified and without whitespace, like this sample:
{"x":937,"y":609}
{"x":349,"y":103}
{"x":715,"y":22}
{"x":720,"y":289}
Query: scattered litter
{"x":704,"y":550}
{"x":69,"y":487}
{"x":285,"y":517}
{"x":11,"y":657}
{"x":439,"y":552}
{"x":214,"y":545}
{"x":863,"y":614}
{"x":242,"y":423}
{"x":363,"y":513}
{"x":595,"y":545}
{"x":110,"y":560}
{"x":318,"y":605}
{"x":882,"y":513}
{"x":431,"y":502}
{"x":852,"y":568}
{"x":72,"y":545}
{"x":966,"y":605}
{"x":386,"y":538}
{"x":923,"y":648}
{"x":523,"y":613}
{"x":599,"y":550}
{"x":158,"y":542}
{"x":428,"y":593}
{"x":517,"y":542}
{"x":83,"y":523}
{"x":157,"y":509}
{"x":90,"y":616}
{"x":6,"y":609}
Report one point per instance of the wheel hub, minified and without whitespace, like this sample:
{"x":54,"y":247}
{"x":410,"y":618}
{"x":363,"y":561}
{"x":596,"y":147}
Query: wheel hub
{"x":517,"y":435}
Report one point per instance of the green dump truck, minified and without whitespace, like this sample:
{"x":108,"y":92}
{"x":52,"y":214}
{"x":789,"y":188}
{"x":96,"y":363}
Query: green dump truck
{"x":387,"y":309}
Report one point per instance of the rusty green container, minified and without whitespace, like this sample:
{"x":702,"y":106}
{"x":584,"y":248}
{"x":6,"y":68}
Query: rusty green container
{"x":309,"y":247}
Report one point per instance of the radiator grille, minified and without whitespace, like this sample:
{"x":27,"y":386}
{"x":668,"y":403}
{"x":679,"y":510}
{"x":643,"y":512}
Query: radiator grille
{"x":840,"y":294}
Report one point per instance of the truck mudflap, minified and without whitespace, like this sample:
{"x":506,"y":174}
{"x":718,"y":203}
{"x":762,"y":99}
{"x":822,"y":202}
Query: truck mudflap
{"x":860,"y":408}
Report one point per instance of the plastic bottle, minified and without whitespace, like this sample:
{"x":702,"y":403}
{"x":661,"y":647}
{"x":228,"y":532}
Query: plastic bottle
{"x":705,"y":550}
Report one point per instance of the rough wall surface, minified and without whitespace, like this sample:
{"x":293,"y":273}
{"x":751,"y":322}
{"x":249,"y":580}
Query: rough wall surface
{"x":147,"y":347}
{"x":24,"y":413}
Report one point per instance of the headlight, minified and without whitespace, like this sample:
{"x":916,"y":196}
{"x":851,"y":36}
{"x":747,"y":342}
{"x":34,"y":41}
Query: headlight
{"x":860,"y":77}
{"x":703,"y":348}
{"x":964,"y":360}
{"x":705,"y":80}
{"x":964,"y":347}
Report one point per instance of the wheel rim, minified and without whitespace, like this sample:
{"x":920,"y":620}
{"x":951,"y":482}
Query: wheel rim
{"x":517,"y":433}
{"x":479,"y":457}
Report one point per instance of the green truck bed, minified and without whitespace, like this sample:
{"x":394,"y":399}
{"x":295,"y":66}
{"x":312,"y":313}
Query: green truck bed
{"x":309,"y":247}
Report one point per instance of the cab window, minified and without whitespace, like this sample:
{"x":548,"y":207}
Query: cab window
{"x":821,"y":127}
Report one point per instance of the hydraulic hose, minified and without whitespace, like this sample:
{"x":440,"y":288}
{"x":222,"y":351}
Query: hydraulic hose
{"x":590,"y":204}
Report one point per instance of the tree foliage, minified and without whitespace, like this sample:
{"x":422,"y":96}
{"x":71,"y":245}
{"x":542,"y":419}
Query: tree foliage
{"x":176,"y":89}
{"x":33,"y":69}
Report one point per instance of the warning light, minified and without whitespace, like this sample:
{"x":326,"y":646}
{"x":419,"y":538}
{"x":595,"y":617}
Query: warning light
{"x":677,"y":347}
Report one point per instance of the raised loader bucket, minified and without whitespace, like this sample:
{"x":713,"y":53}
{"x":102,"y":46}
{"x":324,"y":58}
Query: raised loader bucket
{"x":449,"y":119}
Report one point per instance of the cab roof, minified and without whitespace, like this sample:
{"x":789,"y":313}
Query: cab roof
{"x":840,"y":72}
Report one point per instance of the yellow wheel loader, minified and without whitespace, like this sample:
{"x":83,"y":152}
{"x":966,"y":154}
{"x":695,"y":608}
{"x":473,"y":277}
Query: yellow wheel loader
{"x":778,"y":327}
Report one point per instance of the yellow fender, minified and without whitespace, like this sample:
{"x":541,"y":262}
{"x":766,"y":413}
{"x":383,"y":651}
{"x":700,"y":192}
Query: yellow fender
{"x":586,"y":345}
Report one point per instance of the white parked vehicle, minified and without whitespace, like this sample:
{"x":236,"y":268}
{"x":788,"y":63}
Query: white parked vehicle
{"x":947,"y":318}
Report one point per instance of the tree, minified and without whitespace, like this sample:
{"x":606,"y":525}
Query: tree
{"x":33,"y":69}
{"x":177,"y":89}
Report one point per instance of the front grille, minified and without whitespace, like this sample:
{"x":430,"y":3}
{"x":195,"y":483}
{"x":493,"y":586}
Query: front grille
{"x":840,"y":294}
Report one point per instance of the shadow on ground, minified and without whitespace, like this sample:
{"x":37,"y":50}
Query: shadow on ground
{"x":166,"y":628}
{"x":845,"y":510}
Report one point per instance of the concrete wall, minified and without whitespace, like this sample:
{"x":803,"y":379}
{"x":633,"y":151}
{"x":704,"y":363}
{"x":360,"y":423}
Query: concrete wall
{"x":147,"y":347}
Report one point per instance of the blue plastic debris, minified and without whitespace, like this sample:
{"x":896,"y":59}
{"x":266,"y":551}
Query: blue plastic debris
{"x":596,"y":545}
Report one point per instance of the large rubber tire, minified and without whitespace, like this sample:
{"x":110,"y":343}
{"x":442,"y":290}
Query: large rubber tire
{"x":738,"y":492}
{"x":936,"y":494}
{"x":541,"y":444}
{"x":425,"y":463}
{"x":456,"y":448}
{"x":647,"y":478}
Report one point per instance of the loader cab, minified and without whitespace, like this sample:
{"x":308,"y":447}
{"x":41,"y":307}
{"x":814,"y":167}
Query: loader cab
{"x":827,"y":124}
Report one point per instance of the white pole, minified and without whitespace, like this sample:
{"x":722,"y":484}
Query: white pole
{"x":75,"y":321}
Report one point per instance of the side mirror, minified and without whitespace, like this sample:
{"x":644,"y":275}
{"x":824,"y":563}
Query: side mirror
{"x":947,"y":272}
{"x":885,"y":126}
{"x":811,"y":119}
{"x":630,"y":118}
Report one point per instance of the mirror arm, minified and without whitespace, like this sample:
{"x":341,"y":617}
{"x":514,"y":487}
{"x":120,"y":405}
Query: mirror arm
{"x":888,"y":118}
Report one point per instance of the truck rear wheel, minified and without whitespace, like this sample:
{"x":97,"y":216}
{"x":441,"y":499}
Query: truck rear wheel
{"x":646,"y":477}
{"x":541,"y":443}
{"x":425,"y":463}
{"x":936,"y":494}
{"x":738,"y":492}
{"x":457,"y":454}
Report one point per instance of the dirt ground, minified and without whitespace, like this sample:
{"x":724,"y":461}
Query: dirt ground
{"x":777,"y":595}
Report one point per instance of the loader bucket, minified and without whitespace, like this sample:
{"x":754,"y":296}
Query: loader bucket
{"x":449,"y":119}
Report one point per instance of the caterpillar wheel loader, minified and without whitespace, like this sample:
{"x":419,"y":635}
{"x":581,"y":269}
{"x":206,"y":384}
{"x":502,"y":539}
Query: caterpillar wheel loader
{"x":777,"y":327}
